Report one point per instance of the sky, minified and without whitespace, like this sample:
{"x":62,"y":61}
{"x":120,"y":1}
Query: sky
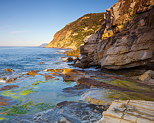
{"x":33,"y":22}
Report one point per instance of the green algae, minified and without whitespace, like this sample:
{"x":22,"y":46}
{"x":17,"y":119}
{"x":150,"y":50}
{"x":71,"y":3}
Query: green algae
{"x":131,"y":85}
{"x":38,"y":82}
{"x":11,"y":94}
{"x":3,"y":118}
{"x":27,"y":91}
{"x":17,"y":109}
{"x":43,"y":106}
{"x":128,"y":96}
{"x":26,"y":108}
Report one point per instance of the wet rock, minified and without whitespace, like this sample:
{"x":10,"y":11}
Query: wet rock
{"x":9,"y":70}
{"x":54,"y":74}
{"x":77,"y":90}
{"x":69,"y":59}
{"x":3,"y":101}
{"x":33,"y":73}
{"x":72,"y":74}
{"x":129,"y":111}
{"x":41,"y":63}
{"x":11,"y":80}
{"x":3,"y":80}
{"x":8,"y":87}
{"x":54,"y":70}
{"x":73,"y":112}
{"x":95,"y":83}
{"x":96,"y":96}
{"x":47,"y":77}
{"x":147,"y":75}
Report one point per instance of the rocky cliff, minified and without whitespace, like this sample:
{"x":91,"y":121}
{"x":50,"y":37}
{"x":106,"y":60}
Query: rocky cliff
{"x":73,"y":35}
{"x":125,"y":40}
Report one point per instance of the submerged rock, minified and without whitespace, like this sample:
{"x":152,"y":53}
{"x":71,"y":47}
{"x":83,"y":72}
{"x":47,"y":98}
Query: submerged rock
{"x":3,"y":101}
{"x":96,"y":96}
{"x":8,"y":87}
{"x":9,"y":70}
{"x":33,"y":73}
{"x":71,"y":112}
{"x":69,"y":59}
{"x":54,"y":70}
{"x":95,"y":83}
{"x":3,"y":80}
{"x":129,"y":111}
{"x":72,"y":74}
{"x":47,"y":77}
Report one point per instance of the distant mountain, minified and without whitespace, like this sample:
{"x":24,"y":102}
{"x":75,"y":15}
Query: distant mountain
{"x":44,"y":45}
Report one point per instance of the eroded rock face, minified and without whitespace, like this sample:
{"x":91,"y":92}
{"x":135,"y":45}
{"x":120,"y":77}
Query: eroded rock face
{"x":126,"y":38}
{"x":129,"y":111}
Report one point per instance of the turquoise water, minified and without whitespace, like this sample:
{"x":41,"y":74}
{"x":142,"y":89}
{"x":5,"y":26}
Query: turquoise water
{"x":34,"y":93}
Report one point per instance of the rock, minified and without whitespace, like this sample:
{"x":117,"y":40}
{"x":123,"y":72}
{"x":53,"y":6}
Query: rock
{"x":11,"y":80}
{"x":9,"y":70}
{"x":72,"y":74}
{"x":76,"y":90}
{"x":47,"y":77}
{"x":73,"y":112}
{"x":69,"y":59}
{"x":95,"y":83}
{"x":54,"y":70}
{"x":148,"y":75}
{"x":126,"y":38}
{"x":33,"y":73}
{"x":54,"y":74}
{"x":3,"y":101}
{"x":41,"y":63}
{"x":96,"y":96}
{"x":8,"y":87}
{"x":3,"y":80}
{"x":129,"y":111}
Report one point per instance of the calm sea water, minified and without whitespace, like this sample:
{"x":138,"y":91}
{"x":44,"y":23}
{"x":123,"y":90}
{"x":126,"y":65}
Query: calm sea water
{"x":30,"y":98}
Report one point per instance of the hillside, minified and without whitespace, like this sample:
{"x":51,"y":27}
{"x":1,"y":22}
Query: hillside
{"x":72,"y":35}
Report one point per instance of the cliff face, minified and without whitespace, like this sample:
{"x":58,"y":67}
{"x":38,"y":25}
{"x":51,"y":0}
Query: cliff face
{"x":72,"y":35}
{"x":126,"y":39}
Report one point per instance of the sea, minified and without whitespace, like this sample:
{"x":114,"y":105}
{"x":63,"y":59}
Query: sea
{"x":34,"y":93}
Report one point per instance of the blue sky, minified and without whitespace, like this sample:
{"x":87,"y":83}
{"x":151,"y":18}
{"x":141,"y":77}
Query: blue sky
{"x":32,"y":22}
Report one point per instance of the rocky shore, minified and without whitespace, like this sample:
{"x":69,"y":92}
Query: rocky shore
{"x":121,"y":89}
{"x":123,"y":45}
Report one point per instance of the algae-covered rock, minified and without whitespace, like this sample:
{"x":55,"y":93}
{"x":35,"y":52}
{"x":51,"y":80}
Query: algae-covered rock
{"x":96,"y":96}
{"x":72,"y":74}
